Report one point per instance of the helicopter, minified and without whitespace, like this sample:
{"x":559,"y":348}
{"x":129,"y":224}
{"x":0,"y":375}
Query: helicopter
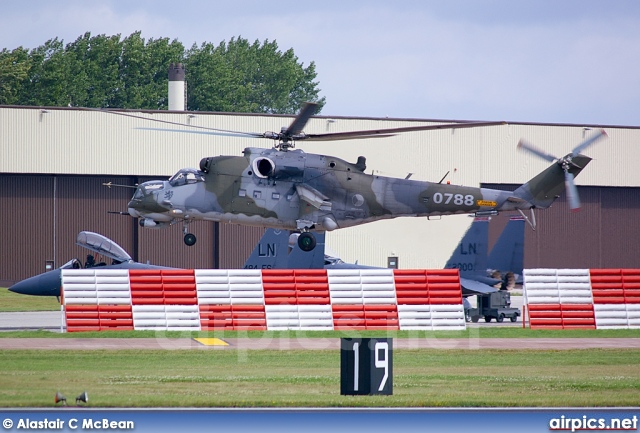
{"x":287,"y":188}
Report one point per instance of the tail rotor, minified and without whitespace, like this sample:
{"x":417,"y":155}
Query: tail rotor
{"x":582,"y":146}
{"x":566,"y":163}
{"x":572,"y":191}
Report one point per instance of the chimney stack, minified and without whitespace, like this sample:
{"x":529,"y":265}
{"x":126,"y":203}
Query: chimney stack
{"x":177,"y":94}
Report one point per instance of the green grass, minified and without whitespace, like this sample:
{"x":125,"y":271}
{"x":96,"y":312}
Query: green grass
{"x":482,"y":332}
{"x":11,"y":302}
{"x":265,"y":378}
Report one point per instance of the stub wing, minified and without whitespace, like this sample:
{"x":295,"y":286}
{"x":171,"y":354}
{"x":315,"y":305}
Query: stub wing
{"x":314,"y":197}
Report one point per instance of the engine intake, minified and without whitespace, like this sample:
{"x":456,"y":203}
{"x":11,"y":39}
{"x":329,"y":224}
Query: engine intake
{"x":205,"y":165}
{"x":264,"y":167}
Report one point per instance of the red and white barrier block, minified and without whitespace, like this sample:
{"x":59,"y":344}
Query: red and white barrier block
{"x":582,"y":298}
{"x":246,"y":299}
{"x":616,"y":297}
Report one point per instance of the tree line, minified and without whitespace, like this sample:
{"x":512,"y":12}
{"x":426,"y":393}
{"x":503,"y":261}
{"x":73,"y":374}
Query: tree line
{"x":113,"y":72}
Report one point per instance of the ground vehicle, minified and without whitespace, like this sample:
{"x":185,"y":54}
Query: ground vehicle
{"x":496,"y":305}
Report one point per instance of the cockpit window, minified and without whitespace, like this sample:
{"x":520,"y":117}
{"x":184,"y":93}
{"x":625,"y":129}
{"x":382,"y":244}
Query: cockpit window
{"x":186,"y":176}
{"x":148,"y":187}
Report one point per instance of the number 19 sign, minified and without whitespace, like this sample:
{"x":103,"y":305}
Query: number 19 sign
{"x":366,"y":366}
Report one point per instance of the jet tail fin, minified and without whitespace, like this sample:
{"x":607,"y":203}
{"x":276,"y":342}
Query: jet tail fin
{"x":275,"y":251}
{"x":470,"y":255}
{"x":507,"y":255}
{"x":271,"y":252}
{"x":313,"y":259}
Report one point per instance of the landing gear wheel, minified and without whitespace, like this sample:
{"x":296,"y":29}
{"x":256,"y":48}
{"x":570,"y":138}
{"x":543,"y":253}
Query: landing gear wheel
{"x":306,"y":241}
{"x":190,"y":239}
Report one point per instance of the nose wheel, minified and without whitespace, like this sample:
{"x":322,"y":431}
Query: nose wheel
{"x":189,"y":238}
{"x":306,"y":241}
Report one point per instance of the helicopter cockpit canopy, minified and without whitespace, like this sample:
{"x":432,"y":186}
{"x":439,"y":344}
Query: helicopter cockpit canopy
{"x":186,"y":176}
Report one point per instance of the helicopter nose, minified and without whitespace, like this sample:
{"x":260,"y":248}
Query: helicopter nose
{"x":47,"y":284}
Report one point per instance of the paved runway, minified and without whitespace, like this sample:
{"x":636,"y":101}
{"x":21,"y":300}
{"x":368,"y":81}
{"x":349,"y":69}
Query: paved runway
{"x":31,"y":320}
{"x":51,"y":321}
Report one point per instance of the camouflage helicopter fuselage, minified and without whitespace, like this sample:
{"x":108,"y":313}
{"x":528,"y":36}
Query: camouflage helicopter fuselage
{"x":302,"y":191}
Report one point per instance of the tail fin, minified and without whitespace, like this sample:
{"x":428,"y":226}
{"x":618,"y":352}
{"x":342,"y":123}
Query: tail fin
{"x":543,"y":189}
{"x":470,"y":256}
{"x":507,"y":255}
{"x":547,"y":186}
{"x":313,"y":259}
{"x":271,"y":252}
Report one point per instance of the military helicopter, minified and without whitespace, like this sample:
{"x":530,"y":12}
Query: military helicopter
{"x":287,"y":188}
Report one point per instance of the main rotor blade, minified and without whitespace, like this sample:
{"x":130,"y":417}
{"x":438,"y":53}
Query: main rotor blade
{"x":388,"y":132}
{"x":294,"y":131}
{"x":522,"y":144}
{"x":579,"y":148}
{"x":572,"y":191}
{"x":204,"y":131}
{"x":307,"y":110}
{"x":196,"y":128}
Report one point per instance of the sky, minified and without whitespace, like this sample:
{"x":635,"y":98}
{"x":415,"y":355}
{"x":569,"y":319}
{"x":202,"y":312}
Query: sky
{"x":550,"y":61}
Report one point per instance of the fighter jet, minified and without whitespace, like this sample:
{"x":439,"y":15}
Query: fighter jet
{"x":48,"y":283}
{"x":266,"y":255}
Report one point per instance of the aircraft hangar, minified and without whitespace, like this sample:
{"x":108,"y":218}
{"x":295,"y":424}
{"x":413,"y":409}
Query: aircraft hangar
{"x":55,"y":162}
